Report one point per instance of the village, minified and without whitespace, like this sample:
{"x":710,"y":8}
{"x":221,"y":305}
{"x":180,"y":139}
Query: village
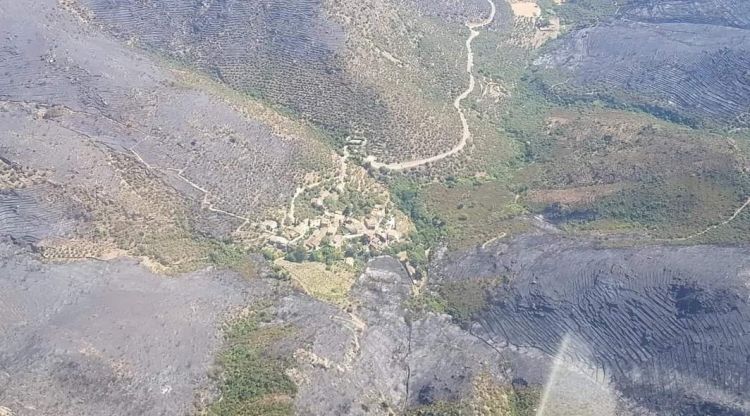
{"x":319,"y":216}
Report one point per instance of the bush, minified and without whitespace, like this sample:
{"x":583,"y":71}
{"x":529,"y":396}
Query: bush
{"x":253,"y":379}
{"x":278,"y":272}
{"x":327,"y":254}
{"x":297,"y":254}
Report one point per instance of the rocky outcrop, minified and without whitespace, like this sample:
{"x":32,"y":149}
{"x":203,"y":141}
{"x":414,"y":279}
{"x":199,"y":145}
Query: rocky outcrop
{"x":378,"y":359}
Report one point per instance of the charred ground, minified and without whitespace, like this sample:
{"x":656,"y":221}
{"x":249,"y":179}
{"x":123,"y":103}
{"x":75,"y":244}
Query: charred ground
{"x":589,"y":235}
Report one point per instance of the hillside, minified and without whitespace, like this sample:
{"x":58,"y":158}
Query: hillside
{"x":374,"y":207}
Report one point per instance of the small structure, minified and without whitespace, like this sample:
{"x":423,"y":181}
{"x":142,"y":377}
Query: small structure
{"x":279,"y":242}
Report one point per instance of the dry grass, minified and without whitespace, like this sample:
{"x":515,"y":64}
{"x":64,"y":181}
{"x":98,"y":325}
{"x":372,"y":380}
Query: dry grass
{"x":528,"y":9}
{"x":489,"y":399}
{"x":328,"y":283}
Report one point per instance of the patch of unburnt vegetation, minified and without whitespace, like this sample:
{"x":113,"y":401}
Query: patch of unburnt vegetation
{"x":409,"y":197}
{"x":475,"y":211}
{"x":460,"y":299}
{"x":233,"y":257}
{"x":14,"y":177}
{"x":596,"y":169}
{"x":439,"y":409}
{"x":486,"y":398}
{"x":577,"y":14}
{"x":525,"y":398}
{"x":252,"y":378}
{"x":732,"y":232}
{"x":330,"y":283}
{"x":459,"y":212}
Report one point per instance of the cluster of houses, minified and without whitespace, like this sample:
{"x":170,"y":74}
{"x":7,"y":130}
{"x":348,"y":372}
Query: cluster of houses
{"x":377,"y":230}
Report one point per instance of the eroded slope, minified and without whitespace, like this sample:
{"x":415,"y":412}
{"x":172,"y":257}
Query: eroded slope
{"x":684,"y":60}
{"x":152,"y":157}
{"x":665,"y":327}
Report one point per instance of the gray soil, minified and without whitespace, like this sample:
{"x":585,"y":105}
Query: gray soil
{"x":393,"y":362}
{"x":108,"y":338}
{"x":680,"y":59}
{"x":665,"y":328}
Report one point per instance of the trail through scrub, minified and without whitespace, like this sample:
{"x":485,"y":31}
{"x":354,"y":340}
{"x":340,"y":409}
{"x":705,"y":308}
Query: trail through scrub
{"x":466,"y":132}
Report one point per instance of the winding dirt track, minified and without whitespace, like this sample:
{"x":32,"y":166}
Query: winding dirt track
{"x":736,"y":214}
{"x":466,"y":133}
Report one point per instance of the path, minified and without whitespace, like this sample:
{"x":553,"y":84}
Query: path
{"x":466,"y":133}
{"x":343,"y":171}
{"x":713,"y":227}
{"x":340,"y":186}
{"x":290,"y":213}
{"x":206,"y":201}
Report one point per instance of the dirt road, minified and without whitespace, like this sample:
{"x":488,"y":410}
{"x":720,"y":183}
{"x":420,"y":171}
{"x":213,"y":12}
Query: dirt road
{"x":466,"y":132}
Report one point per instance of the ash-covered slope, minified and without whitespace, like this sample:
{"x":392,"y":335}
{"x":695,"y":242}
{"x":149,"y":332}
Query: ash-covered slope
{"x":682,"y":60}
{"x":709,"y":12}
{"x":109,"y":338}
{"x":378,"y":358}
{"x":283,"y":52}
{"x":124,"y":151}
{"x":62,"y":93}
{"x":666,"y":327}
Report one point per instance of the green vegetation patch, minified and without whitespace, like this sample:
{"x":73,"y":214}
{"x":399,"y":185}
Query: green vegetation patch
{"x":524,"y":400}
{"x":463,"y":299}
{"x":329,"y":283}
{"x":673,"y":208}
{"x":441,"y":408}
{"x":734,"y":232}
{"x":430,"y":229}
{"x":589,"y":166}
{"x":583,"y":13}
{"x":461,"y":213}
{"x":253,"y":380}
{"x":473,"y":211}
{"x":460,"y":299}
{"x":614,"y":171}
{"x":487,"y":398}
{"x":231,"y":256}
